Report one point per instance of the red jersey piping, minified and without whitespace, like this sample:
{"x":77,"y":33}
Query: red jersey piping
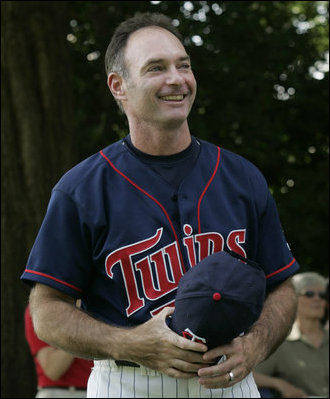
{"x":204,"y":191}
{"x":281,"y":270}
{"x":150,"y":196}
{"x":53,"y":278}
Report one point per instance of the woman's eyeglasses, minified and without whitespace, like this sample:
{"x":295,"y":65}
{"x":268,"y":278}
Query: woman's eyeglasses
{"x":310,"y":294}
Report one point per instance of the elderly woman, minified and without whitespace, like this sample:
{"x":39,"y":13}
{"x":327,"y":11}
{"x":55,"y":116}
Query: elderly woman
{"x":300,"y":366}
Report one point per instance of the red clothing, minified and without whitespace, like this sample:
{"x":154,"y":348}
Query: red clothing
{"x":78,"y":373}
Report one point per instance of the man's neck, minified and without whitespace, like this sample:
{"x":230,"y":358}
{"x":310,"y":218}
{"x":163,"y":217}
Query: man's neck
{"x":155,"y":141}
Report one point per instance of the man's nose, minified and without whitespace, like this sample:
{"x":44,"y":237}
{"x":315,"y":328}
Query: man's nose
{"x":174,"y":76}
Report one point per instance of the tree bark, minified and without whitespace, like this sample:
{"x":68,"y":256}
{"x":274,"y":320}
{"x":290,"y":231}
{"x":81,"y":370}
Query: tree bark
{"x":37,"y":147}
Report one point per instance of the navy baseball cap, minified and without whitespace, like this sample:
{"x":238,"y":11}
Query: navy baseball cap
{"x":218,"y":299}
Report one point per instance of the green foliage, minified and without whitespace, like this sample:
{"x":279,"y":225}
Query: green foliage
{"x":262,"y":81}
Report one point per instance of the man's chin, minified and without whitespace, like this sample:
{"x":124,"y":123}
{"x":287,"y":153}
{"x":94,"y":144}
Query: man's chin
{"x":172,"y":123}
{"x":173,"y":120}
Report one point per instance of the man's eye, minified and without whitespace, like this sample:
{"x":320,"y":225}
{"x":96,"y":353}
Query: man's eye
{"x":185,"y":66}
{"x":155,"y":68}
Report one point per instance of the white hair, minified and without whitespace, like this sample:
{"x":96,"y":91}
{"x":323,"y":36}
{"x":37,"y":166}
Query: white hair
{"x":307,"y":279}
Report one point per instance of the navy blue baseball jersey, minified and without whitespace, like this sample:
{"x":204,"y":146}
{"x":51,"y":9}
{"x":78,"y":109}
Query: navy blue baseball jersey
{"x":117,"y":235}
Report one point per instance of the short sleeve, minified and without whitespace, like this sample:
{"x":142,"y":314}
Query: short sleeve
{"x":274,"y":253}
{"x":61,"y":255}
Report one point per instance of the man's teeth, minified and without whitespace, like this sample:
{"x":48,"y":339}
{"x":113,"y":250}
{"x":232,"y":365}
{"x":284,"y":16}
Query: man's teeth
{"x":173,"y":98}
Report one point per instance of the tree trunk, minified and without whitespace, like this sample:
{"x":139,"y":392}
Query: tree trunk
{"x":37,"y":147}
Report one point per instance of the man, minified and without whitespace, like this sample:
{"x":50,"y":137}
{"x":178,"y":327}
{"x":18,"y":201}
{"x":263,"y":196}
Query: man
{"x":123,"y":226}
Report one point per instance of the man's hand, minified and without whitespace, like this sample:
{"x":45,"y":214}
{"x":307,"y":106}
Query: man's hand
{"x":245,"y":352}
{"x":240,"y":358}
{"x":154,"y":345}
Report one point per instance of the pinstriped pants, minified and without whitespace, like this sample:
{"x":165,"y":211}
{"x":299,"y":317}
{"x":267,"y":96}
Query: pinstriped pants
{"x":107,"y":380}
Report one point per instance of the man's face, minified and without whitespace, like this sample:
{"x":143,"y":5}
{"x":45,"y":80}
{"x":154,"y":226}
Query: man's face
{"x":161,"y":87}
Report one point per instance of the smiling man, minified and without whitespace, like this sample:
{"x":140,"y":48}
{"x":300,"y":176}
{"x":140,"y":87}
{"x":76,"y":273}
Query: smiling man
{"x":158,"y":93}
{"x":124,"y":226}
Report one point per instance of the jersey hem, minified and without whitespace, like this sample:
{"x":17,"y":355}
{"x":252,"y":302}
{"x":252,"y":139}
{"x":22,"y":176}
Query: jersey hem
{"x":54,"y":282}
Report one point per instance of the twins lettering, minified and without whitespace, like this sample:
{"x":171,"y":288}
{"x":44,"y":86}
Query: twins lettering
{"x":160,"y":271}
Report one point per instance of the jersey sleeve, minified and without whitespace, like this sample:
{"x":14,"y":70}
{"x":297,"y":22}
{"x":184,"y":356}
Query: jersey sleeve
{"x":274,"y":253}
{"x":61,"y":256}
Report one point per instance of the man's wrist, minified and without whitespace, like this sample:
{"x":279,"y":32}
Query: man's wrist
{"x":259,"y":336}
{"x":118,"y":343}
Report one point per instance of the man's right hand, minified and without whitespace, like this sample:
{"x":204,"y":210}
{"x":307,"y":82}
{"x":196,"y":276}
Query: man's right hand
{"x":154,"y":345}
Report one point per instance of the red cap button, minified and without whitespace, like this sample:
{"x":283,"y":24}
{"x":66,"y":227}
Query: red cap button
{"x":217,"y":296}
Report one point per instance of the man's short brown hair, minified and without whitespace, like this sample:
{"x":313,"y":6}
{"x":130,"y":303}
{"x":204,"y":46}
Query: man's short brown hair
{"x":114,"y":57}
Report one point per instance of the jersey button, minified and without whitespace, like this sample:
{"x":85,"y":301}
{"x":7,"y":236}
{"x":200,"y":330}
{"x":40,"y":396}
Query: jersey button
{"x":174,"y":197}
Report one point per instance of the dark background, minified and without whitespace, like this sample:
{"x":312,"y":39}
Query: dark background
{"x":262,"y":74}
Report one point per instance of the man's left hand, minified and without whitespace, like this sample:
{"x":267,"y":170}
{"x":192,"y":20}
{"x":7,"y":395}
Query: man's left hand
{"x":239,"y":362}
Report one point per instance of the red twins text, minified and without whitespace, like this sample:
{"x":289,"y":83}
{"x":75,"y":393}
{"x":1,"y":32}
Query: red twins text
{"x":160,"y":271}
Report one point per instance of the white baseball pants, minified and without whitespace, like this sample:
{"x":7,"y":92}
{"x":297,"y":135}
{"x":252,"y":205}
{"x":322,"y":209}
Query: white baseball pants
{"x":107,"y":380}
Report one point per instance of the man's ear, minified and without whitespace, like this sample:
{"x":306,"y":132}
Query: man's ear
{"x":117,"y":86}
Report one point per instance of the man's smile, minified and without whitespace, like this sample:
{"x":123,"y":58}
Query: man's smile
{"x":177,"y":97}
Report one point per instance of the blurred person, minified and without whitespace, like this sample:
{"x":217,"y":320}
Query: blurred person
{"x":59,"y":374}
{"x":300,"y":366}
{"x":325,"y":320}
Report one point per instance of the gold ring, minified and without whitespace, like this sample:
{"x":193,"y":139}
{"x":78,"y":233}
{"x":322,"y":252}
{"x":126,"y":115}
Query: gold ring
{"x":231,"y":376}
